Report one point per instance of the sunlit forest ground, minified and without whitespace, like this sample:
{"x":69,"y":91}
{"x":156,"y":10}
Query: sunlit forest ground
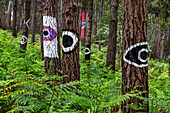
{"x":24,"y":86}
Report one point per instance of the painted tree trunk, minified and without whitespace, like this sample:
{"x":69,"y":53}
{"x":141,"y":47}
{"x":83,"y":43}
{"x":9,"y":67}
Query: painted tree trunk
{"x":95,"y":24}
{"x":34,"y":21}
{"x":14,"y":32}
{"x":26,"y":27}
{"x":135,"y":53}
{"x":41,"y":29}
{"x":70,"y":44}
{"x":50,"y":36}
{"x":111,"y":50}
{"x":83,"y":26}
{"x":89,"y":31}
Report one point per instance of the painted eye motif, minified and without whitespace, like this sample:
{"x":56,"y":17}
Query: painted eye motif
{"x":137,"y":55}
{"x":83,"y":25}
{"x":70,"y":41}
{"x":48,"y":33}
{"x":24,"y":40}
{"x":87,"y":52}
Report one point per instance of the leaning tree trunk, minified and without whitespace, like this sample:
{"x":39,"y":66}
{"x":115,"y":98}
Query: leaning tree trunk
{"x":111,"y":51}
{"x":89,"y":31}
{"x":34,"y":21}
{"x":83,"y":23}
{"x":24,"y":39}
{"x":50,"y":36}
{"x":41,"y":29}
{"x":135,"y":53}
{"x":95,"y":24}
{"x":70,"y":37}
{"x":14,"y":31}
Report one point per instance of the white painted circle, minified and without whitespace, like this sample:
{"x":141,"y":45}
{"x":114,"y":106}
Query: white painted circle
{"x":24,"y":40}
{"x":88,"y":51}
{"x":75,"y":40}
{"x":139,"y":53}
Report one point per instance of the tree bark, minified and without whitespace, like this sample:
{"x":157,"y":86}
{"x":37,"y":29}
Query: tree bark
{"x":14,"y":32}
{"x":111,"y":50}
{"x":95,"y":24}
{"x":83,"y":23}
{"x":34,"y":21}
{"x":41,"y":29}
{"x":134,"y":51}
{"x":4,"y":22}
{"x":61,"y":18}
{"x":58,"y":62}
{"x":9,"y":15}
{"x":50,"y":36}
{"x":100,"y":16}
{"x":89,"y":31}
{"x":1,"y":16}
{"x":27,"y":20}
{"x":19,"y":15}
{"x":70,"y":44}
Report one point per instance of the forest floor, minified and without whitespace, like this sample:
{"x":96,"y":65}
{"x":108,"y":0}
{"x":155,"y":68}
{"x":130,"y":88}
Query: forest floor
{"x":24,"y":86}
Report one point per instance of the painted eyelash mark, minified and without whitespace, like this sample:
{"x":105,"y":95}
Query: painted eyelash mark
{"x":70,"y":41}
{"x":137,"y":55}
{"x":27,"y":23}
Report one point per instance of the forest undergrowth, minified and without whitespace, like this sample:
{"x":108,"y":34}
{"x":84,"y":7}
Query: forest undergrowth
{"x":25,"y":87}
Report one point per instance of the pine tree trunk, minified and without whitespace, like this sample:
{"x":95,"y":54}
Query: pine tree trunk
{"x":0,"y":14}
{"x":134,"y":51}
{"x":4,"y":22}
{"x":111,"y":50}
{"x":100,"y":16}
{"x":61,"y":18}
{"x":58,"y":62}
{"x":34,"y":21}
{"x":27,"y":20}
{"x":9,"y":15}
{"x":41,"y":29}
{"x":19,"y":15}
{"x":95,"y":24}
{"x":89,"y":31}
{"x":83,"y":23}
{"x":50,"y":36}
{"x":14,"y":32}
{"x":70,"y":44}
{"x":22,"y":14}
